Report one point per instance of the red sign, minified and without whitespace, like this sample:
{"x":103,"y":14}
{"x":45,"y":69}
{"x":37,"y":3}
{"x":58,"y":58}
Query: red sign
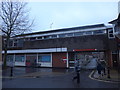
{"x":84,"y":49}
{"x":64,"y":59}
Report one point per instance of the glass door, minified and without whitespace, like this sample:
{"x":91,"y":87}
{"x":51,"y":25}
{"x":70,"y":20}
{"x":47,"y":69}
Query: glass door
{"x":31,"y":60}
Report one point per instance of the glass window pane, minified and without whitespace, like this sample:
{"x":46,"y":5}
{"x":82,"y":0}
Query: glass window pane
{"x":69,"y":34}
{"x":47,"y":37}
{"x":10,"y":58}
{"x":39,"y":37}
{"x":111,"y":35}
{"x":62,"y":35}
{"x":78,"y":33}
{"x":44,"y":58}
{"x":39,"y":58}
{"x":11,"y":43}
{"x":88,"y":33}
{"x":54,"y":36}
{"x":98,"y":32}
{"x":19,"y":58}
{"x":26,"y":39}
{"x":33,"y":38}
{"x":20,"y":42}
{"x":111,"y":31}
{"x":15,"y":42}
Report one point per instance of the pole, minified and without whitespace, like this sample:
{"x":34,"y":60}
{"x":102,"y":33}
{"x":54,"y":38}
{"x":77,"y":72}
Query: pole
{"x":11,"y":72}
{"x":78,"y":77}
{"x":11,"y":67}
{"x":108,"y":76}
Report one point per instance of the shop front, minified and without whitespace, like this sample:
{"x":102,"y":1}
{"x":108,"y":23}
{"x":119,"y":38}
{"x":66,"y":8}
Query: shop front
{"x":86,"y":59}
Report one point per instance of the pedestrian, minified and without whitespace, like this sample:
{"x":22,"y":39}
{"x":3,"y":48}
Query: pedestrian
{"x":77,"y":70}
{"x":103,"y":63}
{"x":99,"y":68}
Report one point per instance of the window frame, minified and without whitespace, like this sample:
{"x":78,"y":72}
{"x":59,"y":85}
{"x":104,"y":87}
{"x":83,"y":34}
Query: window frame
{"x":98,"y":32}
{"x":43,"y":55}
{"x":21,"y":60}
{"x":10,"y":57}
{"x":111,"y":33}
{"x":78,"y":34}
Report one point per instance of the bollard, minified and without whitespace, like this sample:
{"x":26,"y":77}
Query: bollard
{"x":108,"y":76}
{"x":11,"y":72}
{"x":78,"y":77}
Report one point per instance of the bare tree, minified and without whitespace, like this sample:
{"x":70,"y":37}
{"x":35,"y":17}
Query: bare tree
{"x":13,"y":20}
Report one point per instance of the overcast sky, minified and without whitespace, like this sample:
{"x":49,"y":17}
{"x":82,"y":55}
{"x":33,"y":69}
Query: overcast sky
{"x":56,"y":15}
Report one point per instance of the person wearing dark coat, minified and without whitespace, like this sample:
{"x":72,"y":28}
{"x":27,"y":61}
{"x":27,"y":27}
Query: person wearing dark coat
{"x":103,"y":63}
{"x":77,"y":70}
{"x":99,"y":68}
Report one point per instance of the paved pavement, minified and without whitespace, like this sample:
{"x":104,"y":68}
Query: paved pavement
{"x":51,"y":78}
{"x":114,"y":76}
{"x":19,"y":72}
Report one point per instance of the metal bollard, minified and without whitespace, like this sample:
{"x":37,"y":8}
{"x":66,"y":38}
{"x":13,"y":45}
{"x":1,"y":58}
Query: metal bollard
{"x":11,"y":72}
{"x":108,"y":76}
{"x":78,"y":77}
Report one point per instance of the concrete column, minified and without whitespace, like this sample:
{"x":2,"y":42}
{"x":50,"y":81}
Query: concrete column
{"x":0,"y":49}
{"x":37,"y":59}
{"x":119,"y":38}
{"x":51,"y":60}
{"x":14,"y":60}
{"x":67,"y":60}
{"x":25,"y":59}
{"x":109,"y":58}
{"x":0,"y":59}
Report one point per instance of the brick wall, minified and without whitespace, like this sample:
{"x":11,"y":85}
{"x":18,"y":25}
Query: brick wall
{"x":84,"y":42}
{"x":57,"y":60}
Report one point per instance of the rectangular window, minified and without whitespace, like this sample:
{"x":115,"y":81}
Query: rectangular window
{"x":69,"y":34}
{"x":20,"y":42}
{"x":78,"y":33}
{"x":44,"y":58}
{"x":98,"y":32}
{"x":32,"y":58}
{"x":47,"y":37}
{"x":88,"y":33}
{"x":19,"y":58}
{"x":62,"y":35}
{"x":15,"y":42}
{"x":54,"y":36}
{"x":116,"y":28}
{"x":11,"y":43}
{"x":39,"y":37}
{"x":110,"y":33}
{"x":33,"y":38}
{"x":27,"y":39}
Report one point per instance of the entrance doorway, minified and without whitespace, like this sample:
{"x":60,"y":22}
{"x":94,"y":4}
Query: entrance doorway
{"x":31,"y":60}
{"x":87,"y":60}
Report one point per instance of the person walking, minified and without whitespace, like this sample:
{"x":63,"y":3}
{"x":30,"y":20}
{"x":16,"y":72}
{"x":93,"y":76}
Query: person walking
{"x":77,"y":70}
{"x":103,"y":63}
{"x":99,"y":68}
